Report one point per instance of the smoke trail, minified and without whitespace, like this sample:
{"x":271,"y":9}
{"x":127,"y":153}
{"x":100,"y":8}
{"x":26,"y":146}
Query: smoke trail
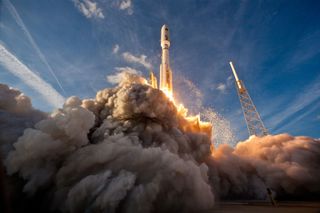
{"x":16,"y":67}
{"x":19,"y":21}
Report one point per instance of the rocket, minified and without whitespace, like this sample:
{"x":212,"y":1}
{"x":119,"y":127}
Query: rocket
{"x":165,"y":70}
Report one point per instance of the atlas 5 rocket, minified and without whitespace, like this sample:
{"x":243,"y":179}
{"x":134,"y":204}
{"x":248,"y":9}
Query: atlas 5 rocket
{"x":165,"y":70}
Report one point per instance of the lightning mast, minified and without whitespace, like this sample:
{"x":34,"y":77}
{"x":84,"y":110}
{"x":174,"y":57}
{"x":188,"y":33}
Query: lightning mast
{"x":251,"y":115}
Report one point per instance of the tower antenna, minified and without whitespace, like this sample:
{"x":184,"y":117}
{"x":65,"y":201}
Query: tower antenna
{"x":251,"y":115}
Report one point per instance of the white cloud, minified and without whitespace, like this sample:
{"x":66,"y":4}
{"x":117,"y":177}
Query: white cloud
{"x":129,"y":57}
{"x":221,"y":87}
{"x":126,"y":5}
{"x":229,"y":80}
{"x":89,"y":8}
{"x":17,"y":68}
{"x":115,"y":49}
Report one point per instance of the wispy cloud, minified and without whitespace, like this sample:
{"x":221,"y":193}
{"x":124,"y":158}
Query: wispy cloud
{"x":222,"y":87}
{"x":307,"y":48}
{"x":127,"y":69}
{"x":126,"y":5}
{"x":19,"y":21}
{"x":300,"y":117}
{"x":115,"y":49}
{"x":142,"y":59}
{"x":89,"y":8}
{"x":17,"y":68}
{"x":308,"y":96}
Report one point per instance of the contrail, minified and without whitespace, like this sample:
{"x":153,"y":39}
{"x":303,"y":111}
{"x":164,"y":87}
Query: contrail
{"x":19,"y":21}
{"x":16,"y":67}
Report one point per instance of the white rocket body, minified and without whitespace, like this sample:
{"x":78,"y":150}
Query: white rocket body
{"x":165,"y":70}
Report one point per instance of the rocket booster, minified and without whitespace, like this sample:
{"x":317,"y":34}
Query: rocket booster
{"x":153,"y":80}
{"x":165,"y":70}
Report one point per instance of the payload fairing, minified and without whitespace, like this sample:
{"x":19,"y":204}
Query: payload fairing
{"x":165,"y":70}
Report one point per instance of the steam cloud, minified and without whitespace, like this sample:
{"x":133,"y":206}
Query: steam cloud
{"x":129,"y":150}
{"x":16,"y":114}
{"x":136,"y":157}
{"x":288,"y":165}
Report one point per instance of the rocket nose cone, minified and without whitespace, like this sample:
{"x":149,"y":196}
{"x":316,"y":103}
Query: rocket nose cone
{"x":165,"y":41}
{"x":164,"y":27}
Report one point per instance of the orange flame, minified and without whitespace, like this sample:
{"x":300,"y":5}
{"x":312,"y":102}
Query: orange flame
{"x":193,"y":123}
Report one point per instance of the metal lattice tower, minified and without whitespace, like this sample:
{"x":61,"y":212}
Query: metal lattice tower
{"x":251,"y":115}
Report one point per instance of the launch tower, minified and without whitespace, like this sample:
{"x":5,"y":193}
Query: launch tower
{"x":251,"y":115}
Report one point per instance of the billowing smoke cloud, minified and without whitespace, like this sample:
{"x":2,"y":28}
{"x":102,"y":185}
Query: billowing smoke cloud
{"x":126,"y":151}
{"x":285,"y":164}
{"x":16,"y":114}
{"x":129,"y":150}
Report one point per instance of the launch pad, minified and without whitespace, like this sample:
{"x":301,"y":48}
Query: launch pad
{"x":265,"y":207}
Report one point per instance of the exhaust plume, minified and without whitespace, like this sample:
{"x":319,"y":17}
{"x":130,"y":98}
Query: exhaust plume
{"x":16,"y":114}
{"x":288,"y":165}
{"x":124,"y":150}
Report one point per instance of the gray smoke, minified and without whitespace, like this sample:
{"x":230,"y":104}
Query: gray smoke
{"x":16,"y":114}
{"x":129,"y":150}
{"x":288,"y":165}
{"x":123,"y":151}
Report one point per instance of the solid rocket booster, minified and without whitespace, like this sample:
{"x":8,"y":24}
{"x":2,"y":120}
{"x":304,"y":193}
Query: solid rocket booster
{"x":165,"y":70}
{"x":153,"y":80}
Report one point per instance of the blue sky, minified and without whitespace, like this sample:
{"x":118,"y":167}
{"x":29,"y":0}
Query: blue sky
{"x":71,"y":46}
